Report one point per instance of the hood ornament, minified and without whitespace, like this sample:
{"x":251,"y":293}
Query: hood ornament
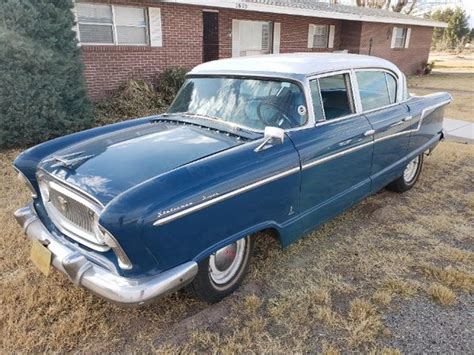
{"x":68,"y":160}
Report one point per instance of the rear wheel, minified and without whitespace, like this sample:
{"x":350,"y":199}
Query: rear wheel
{"x":410,"y":176}
{"x":222,"y":272}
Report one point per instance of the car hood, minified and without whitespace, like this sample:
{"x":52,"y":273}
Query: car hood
{"x":110,"y":164}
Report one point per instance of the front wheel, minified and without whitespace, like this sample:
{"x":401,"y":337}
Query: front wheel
{"x":222,"y":272}
{"x":410,"y":176}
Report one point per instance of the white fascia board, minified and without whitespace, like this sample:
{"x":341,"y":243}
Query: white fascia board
{"x":238,"y":5}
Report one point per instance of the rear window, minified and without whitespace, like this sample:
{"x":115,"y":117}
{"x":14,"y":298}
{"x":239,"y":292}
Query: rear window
{"x":376,"y":88}
{"x":336,"y":96}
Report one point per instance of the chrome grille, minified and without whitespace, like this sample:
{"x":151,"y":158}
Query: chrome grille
{"x":75,"y":212}
{"x":72,"y":212}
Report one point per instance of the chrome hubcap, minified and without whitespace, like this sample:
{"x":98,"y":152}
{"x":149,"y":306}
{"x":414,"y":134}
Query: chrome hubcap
{"x":225,"y":262}
{"x":410,"y":170}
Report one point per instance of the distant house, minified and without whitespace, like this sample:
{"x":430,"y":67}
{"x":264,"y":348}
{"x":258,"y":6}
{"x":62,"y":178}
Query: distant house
{"x":137,"y":39}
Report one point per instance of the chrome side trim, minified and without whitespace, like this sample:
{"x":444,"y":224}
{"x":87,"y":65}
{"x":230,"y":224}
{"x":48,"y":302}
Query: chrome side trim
{"x":210,"y":202}
{"x":429,"y":109}
{"x":100,"y":281}
{"x":424,"y":113}
{"x":334,"y":156}
{"x":161,"y":221}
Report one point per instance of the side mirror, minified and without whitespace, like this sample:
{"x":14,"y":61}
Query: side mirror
{"x":272,"y":136}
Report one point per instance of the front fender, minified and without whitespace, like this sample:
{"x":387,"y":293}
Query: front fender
{"x":231,"y":194}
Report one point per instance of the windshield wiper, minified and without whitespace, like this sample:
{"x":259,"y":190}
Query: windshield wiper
{"x":234,"y":126}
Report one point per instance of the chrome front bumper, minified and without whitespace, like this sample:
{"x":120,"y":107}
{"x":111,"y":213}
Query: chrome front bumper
{"x":98,"y":280}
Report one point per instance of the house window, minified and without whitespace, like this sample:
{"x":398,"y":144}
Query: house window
{"x":320,"y":36}
{"x":401,"y":37}
{"x":110,"y":24}
{"x":251,"y":37}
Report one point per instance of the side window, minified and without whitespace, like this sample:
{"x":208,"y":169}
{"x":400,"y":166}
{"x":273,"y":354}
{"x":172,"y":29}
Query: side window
{"x":315,"y":97}
{"x":392,"y":87}
{"x":373,"y":89}
{"x":336,"y":96}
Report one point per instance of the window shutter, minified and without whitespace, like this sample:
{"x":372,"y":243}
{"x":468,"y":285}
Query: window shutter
{"x":154,"y":19}
{"x":75,"y":28}
{"x":276,"y":37}
{"x":311,"y":30}
{"x":407,"y":40}
{"x":332,"y":31}
{"x":394,"y":37}
{"x":235,"y":38}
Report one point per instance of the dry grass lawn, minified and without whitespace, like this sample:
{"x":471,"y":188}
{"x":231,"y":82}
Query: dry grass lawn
{"x":328,"y":292}
{"x":454,"y":74}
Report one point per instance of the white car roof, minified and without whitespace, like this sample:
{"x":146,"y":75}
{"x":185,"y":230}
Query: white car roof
{"x":292,"y":65}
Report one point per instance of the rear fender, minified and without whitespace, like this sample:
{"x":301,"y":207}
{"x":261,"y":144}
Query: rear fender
{"x":428,"y":114}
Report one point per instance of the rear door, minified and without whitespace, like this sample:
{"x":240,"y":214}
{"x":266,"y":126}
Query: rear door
{"x":336,"y":154}
{"x":390,"y":121}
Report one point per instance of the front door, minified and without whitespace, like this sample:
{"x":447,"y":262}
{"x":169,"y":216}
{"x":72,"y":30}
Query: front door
{"x":335,"y":155}
{"x":210,"y":36}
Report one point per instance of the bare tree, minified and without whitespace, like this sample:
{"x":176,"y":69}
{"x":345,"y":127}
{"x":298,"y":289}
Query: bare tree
{"x":399,"y":5}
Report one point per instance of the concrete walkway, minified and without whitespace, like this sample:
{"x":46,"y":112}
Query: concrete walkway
{"x":459,"y":131}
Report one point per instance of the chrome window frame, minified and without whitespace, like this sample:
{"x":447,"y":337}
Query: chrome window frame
{"x":352,"y":91}
{"x":302,"y":84}
{"x":388,"y":87}
{"x":399,"y":93}
{"x":385,"y":71}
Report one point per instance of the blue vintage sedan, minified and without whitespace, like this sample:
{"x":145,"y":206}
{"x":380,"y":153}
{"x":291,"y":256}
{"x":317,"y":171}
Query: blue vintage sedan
{"x":138,"y":209}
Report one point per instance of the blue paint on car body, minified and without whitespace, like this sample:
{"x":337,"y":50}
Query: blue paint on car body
{"x":145,"y":170}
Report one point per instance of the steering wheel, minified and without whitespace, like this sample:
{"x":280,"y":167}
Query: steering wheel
{"x":278,"y":118}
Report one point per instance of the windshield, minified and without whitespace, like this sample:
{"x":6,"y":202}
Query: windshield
{"x":251,"y":103}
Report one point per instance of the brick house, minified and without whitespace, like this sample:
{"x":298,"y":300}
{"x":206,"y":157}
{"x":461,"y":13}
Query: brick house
{"x":125,"y":39}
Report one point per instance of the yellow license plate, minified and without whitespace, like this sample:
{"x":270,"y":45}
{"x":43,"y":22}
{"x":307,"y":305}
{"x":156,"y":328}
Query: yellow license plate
{"x":41,"y":257}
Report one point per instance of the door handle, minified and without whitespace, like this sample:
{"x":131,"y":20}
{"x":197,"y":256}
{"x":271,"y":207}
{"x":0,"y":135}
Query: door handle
{"x":397,"y":123}
{"x":408,"y":118}
{"x":370,"y":132}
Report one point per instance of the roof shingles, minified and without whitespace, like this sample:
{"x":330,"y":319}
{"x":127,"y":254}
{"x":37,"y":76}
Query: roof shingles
{"x":363,"y":12}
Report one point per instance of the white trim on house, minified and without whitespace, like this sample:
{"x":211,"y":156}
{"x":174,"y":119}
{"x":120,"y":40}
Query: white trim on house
{"x":407,"y":39}
{"x":332,"y":33}
{"x":235,"y":38}
{"x":154,"y":23}
{"x":276,"y":37}
{"x":394,"y":37}
{"x":242,"y":5}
